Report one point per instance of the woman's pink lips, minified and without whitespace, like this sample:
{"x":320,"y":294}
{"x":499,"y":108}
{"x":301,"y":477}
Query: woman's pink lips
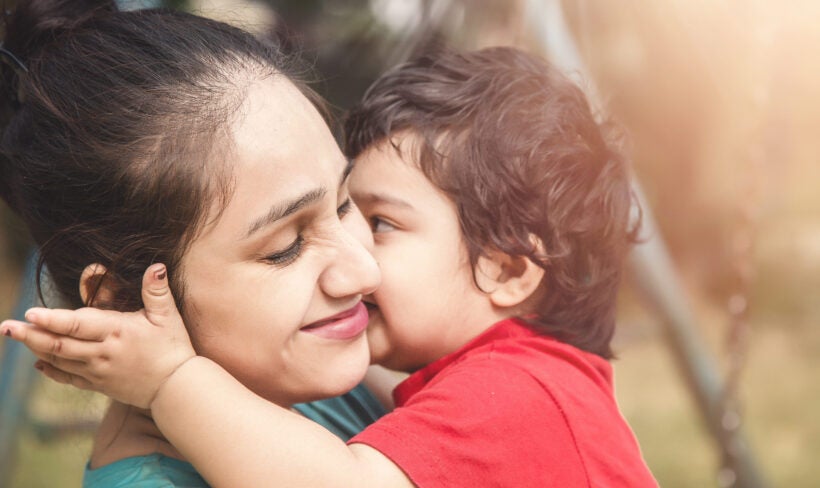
{"x":345,"y":325}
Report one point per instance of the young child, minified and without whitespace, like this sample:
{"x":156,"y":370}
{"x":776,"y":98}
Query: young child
{"x":501,"y":216}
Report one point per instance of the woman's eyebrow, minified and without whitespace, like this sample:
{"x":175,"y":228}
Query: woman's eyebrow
{"x":283,"y":209}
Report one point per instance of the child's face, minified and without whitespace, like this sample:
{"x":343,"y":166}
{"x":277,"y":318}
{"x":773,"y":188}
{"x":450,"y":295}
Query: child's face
{"x":254,"y":282}
{"x":427,"y":305}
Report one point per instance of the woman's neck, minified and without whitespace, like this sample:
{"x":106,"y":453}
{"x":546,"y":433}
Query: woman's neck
{"x":127,"y":431}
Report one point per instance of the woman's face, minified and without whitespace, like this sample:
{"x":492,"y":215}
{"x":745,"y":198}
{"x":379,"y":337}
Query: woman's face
{"x":273,"y":283}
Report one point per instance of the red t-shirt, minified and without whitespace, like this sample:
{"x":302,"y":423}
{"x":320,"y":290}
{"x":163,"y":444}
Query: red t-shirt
{"x":511,"y":408}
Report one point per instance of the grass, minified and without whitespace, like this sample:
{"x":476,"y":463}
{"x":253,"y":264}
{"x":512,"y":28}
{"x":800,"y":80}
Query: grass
{"x":51,"y":463}
{"x":663,"y":416}
{"x":47,"y":458}
{"x":779,"y":398}
{"x":779,"y":391}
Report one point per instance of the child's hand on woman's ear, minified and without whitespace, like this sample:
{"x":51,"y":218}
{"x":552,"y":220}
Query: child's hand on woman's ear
{"x":127,"y":356}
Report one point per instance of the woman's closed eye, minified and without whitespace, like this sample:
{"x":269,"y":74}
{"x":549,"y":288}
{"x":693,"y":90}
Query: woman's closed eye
{"x":287,"y":255}
{"x":292,"y":252}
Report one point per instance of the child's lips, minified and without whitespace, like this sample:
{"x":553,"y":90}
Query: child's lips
{"x":342,"y":326}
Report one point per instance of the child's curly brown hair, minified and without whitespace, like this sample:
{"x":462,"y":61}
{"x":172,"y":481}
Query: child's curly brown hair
{"x":514,"y":144}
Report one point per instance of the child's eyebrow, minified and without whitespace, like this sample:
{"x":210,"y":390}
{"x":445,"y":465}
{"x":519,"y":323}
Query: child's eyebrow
{"x":375,"y":198}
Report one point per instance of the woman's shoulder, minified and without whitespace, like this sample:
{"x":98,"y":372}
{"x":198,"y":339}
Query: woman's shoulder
{"x":148,"y":471}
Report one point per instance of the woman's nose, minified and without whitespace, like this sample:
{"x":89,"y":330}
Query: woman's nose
{"x":354,"y":270}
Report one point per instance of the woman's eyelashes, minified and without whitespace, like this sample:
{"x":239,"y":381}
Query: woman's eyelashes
{"x":287,"y":255}
{"x":345,"y":208}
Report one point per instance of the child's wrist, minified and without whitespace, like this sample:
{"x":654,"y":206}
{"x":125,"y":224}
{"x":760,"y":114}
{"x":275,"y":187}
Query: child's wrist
{"x":180,"y":371}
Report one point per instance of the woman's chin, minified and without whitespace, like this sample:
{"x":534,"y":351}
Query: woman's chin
{"x":349,"y":375}
{"x":340,"y":374}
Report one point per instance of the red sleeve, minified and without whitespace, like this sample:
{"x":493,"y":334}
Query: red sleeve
{"x":482,"y":423}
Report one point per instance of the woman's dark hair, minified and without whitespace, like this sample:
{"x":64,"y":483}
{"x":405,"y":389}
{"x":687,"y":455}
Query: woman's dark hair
{"x":109,"y":129}
{"x":514,"y":145}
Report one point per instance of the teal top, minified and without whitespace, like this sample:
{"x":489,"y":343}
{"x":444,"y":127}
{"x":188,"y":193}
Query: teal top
{"x":151,"y":471}
{"x":345,"y":416}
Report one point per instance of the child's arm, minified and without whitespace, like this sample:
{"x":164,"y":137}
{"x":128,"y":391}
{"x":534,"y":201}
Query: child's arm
{"x":244,"y":440}
{"x":233,"y":437}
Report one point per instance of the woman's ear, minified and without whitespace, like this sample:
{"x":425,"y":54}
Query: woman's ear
{"x":508,"y":280}
{"x":96,"y":289}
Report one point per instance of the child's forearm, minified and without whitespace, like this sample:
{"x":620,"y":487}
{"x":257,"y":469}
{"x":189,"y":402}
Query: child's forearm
{"x":235,"y":438}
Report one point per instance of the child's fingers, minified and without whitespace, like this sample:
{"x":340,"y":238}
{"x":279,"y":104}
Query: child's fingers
{"x":76,"y":368}
{"x":10,"y":328}
{"x":156,"y":295}
{"x":88,"y":324}
{"x":63,"y":377}
{"x":43,"y":342}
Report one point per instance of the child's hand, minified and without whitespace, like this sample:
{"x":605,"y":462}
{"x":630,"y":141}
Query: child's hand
{"x":127,"y":356}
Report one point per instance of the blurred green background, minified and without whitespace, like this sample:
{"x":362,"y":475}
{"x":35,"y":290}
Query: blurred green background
{"x":720,"y":105}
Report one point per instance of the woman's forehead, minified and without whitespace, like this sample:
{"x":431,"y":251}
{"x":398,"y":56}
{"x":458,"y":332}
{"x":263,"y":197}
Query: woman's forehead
{"x":280,"y":149}
{"x":276,"y":121}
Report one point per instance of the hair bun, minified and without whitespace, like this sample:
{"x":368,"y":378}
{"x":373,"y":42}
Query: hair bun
{"x":35,"y":22}
{"x":30,"y":26}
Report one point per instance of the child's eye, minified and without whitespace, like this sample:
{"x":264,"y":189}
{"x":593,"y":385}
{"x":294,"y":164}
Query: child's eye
{"x":287,"y":255}
{"x":377,"y":224}
{"x":344,"y":208}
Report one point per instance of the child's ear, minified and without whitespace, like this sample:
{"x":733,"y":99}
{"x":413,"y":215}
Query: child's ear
{"x":96,"y":285}
{"x":508,"y":280}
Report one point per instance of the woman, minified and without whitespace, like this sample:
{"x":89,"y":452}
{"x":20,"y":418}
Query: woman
{"x":155,"y":136}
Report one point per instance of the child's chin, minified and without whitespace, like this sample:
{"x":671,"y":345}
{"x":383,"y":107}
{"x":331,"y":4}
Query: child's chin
{"x":379,"y":353}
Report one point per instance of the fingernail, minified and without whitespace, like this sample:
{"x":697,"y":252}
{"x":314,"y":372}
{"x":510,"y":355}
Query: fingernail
{"x":31,"y":316}
{"x":160,"y":273}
